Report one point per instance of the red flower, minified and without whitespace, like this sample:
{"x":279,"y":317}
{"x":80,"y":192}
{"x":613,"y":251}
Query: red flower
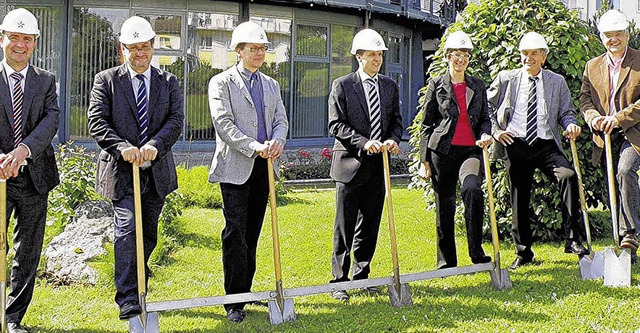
{"x":303,"y":153}
{"x":326,"y":153}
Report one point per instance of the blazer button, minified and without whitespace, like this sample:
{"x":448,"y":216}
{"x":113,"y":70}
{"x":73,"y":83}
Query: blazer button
{"x":255,"y":124}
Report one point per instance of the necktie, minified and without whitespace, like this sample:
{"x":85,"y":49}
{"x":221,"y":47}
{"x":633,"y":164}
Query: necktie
{"x":18,"y":98}
{"x":374,"y":109}
{"x":257,"y":95}
{"x":532,"y":112}
{"x":141,"y":103}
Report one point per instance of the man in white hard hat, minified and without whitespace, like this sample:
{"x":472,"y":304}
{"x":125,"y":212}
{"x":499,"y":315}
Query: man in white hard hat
{"x":364,"y":117}
{"x":610,"y":103}
{"x":135,"y":116}
{"x":527,"y":105}
{"x":251,"y":126}
{"x":27,"y":161}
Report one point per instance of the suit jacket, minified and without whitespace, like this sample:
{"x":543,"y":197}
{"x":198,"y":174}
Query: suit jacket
{"x":440,"y":113}
{"x":40,"y":124}
{"x":502,"y":95}
{"x":236,"y":123}
{"x":595,"y":97}
{"x":113,"y":123}
{"x":349,"y":121}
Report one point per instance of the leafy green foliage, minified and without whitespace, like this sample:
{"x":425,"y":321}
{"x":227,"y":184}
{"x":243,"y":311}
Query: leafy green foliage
{"x":495,"y":27}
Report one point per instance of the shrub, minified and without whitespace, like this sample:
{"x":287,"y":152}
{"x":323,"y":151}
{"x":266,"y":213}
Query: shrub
{"x":496,"y":28}
{"x":195,"y":187}
{"x":304,"y":164}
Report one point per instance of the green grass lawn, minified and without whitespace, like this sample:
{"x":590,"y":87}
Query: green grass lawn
{"x":546,"y":297}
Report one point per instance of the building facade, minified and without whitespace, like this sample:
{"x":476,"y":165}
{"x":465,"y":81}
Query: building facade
{"x":310,"y":42}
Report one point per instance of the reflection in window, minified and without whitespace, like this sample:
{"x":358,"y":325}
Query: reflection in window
{"x":310,"y":100}
{"x":167,"y":28}
{"x":311,"y":41}
{"x":394,"y":46}
{"x":208,"y":39}
{"x":342,"y":62}
{"x":94,"y":47}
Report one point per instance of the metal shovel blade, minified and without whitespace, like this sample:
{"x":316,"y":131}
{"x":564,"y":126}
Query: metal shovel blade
{"x":617,"y":269}
{"x":278,"y":316}
{"x":592,"y":268}
{"x":404,"y":299}
{"x":501,"y":283}
{"x":153,"y":326}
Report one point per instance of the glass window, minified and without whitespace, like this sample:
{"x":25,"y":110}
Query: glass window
{"x":394,"y":45}
{"x":94,"y":47}
{"x":342,"y":62}
{"x":208,"y":53}
{"x":168,"y":31}
{"x":311,"y":40}
{"x":311,"y":82}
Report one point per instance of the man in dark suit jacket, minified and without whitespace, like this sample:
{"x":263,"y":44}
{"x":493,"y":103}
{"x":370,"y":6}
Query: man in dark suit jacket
{"x":364,"y":116}
{"x":28,"y":123}
{"x":135,"y":116}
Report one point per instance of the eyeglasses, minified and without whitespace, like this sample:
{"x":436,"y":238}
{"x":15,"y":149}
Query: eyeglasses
{"x":145,"y":48}
{"x":261,"y":48}
{"x":460,"y":56}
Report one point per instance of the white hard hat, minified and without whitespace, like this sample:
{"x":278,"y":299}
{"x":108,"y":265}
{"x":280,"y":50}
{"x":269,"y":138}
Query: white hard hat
{"x":248,"y":32}
{"x":532,"y":41}
{"x":458,"y":40}
{"x":613,"y":20}
{"x":136,"y":30}
{"x":21,"y":21}
{"x":369,"y":40}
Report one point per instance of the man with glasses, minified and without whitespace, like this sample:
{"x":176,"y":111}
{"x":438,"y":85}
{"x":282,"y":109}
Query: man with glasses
{"x":251,"y":126}
{"x":610,"y":103}
{"x":135,"y":116}
{"x":526,"y":107}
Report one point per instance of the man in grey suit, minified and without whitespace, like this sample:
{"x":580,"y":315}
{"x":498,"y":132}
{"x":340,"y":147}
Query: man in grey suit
{"x":27,"y":162}
{"x":251,"y":126}
{"x":527,"y":105}
{"x":135,"y":116}
{"x":364,"y":117}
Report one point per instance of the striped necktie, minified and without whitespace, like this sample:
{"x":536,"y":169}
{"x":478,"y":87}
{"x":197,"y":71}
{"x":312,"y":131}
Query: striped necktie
{"x":141,"y":103}
{"x":532,"y":112}
{"x":18,"y":98}
{"x":374,"y":109}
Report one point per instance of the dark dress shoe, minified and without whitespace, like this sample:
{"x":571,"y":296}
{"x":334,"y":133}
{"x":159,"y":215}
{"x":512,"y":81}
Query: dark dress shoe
{"x":481,"y":260}
{"x":520,"y":261}
{"x":129,"y":309}
{"x":575,"y":248}
{"x":236,"y":315}
{"x":340,"y":295}
{"x":16,"y":328}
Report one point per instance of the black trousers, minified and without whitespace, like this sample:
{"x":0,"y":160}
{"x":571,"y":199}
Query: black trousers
{"x":463,"y":165}
{"x":359,"y":206}
{"x":30,"y":214}
{"x":126,"y":274}
{"x":244,"y":207}
{"x":523,"y":160}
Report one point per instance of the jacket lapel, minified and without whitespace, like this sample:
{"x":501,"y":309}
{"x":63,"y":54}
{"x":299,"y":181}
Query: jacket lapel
{"x":448,"y":91}
{"x":127,"y":88}
{"x":470,"y":90}
{"x":362,"y":98}
{"x":548,"y":88}
{"x":154,"y":93}
{"x":239,"y":81}
{"x":30,"y":84}
{"x":625,"y":68}
{"x":5,"y":96}
{"x":606,"y":84}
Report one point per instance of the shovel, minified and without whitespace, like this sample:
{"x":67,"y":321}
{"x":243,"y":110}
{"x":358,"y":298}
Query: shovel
{"x":3,"y":255}
{"x":591,"y":266}
{"x":281,"y":309}
{"x":499,"y":277}
{"x":399,"y":293}
{"x":617,"y":269}
{"x":145,"y":322}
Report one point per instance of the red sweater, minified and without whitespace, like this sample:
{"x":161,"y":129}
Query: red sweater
{"x":463,"y":136}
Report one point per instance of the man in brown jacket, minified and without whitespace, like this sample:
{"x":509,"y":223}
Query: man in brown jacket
{"x":610,"y":104}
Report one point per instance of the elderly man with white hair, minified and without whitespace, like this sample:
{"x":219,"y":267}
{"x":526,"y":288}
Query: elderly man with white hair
{"x":526,"y":106}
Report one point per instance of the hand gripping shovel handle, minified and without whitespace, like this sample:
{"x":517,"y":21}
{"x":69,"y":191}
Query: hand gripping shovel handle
{"x":3,"y":255}
{"x":392,"y":226}
{"x":492,"y":212}
{"x":613,"y":204}
{"x":275,"y":235}
{"x":142,"y":279}
{"x":583,"y":200}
